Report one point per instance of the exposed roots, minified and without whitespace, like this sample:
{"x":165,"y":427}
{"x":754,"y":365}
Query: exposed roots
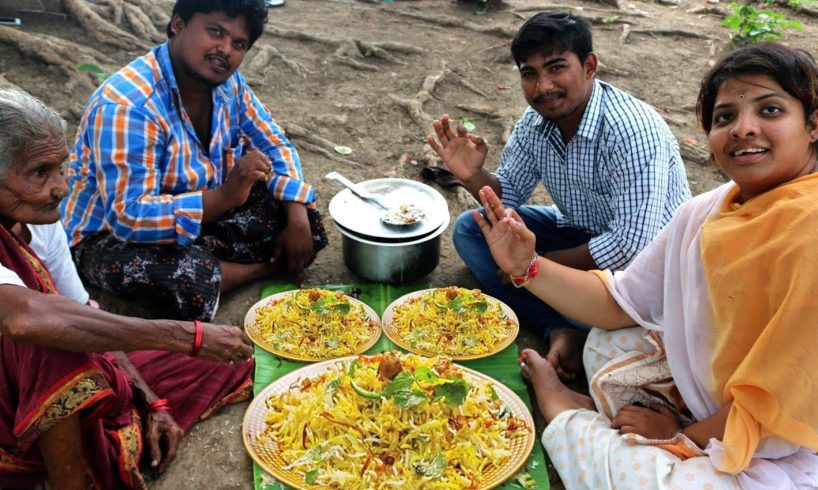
{"x":671,"y":33}
{"x":414,"y":106}
{"x":350,"y":52}
{"x":158,"y":15}
{"x":64,"y":55}
{"x":504,"y":117}
{"x":448,"y":21}
{"x":307,"y":139}
{"x":259,"y":65}
{"x":101,"y":29}
{"x":141,"y":25}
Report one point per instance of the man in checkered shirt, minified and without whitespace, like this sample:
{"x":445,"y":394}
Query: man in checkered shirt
{"x":608,"y":160}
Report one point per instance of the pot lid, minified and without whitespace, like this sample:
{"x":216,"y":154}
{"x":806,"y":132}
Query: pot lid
{"x":358,"y":215}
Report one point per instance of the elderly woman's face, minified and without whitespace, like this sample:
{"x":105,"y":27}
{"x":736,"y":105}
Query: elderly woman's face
{"x":34,"y":183}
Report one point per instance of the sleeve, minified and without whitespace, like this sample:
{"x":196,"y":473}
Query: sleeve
{"x":8,"y":276}
{"x":639,"y":289}
{"x":518,"y":172}
{"x":256,"y":122}
{"x":51,"y":244}
{"x":128,"y":146}
{"x":639,"y":177}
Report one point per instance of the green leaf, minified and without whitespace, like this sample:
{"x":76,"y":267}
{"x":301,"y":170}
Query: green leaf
{"x":494,"y":395}
{"x":454,"y":392}
{"x":433,"y":469}
{"x":311,"y":477}
{"x":426,"y":375}
{"x":409,"y":398}
{"x":333,"y":385}
{"x":332,"y":342}
{"x":91,"y":68}
{"x":402,"y":382}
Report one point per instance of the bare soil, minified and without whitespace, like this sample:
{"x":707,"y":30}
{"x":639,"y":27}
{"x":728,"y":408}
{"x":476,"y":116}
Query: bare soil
{"x":371,"y":75}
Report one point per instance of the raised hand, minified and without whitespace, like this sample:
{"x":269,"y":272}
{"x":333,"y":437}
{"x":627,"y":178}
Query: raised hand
{"x":510,"y":241}
{"x":223,"y":343}
{"x":463,"y":152}
{"x":253,"y":167}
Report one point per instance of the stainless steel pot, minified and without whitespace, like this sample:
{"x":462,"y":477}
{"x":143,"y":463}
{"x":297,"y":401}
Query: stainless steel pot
{"x":381,"y":253}
{"x":395,"y":263}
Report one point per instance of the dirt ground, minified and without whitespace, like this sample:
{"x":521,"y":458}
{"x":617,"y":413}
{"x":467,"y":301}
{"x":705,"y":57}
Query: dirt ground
{"x":371,"y":75}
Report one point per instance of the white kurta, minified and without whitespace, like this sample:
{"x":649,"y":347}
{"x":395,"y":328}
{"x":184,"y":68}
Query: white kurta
{"x":664,"y":289}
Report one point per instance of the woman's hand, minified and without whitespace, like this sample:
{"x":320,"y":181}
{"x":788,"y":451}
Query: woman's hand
{"x":160,"y":427}
{"x":223,"y":343}
{"x":657,"y":422}
{"x":510,"y":242}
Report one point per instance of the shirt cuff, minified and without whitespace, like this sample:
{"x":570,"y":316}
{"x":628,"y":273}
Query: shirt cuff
{"x":187,"y":209}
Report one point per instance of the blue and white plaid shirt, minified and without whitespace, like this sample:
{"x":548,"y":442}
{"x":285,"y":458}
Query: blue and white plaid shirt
{"x":620,"y":178}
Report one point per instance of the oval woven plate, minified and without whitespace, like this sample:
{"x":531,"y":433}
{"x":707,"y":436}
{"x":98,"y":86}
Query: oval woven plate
{"x":255,"y":333}
{"x":391,"y":331}
{"x":269,"y":459}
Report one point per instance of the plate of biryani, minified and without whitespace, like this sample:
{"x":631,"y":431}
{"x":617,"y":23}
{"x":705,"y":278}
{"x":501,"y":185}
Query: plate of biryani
{"x":312,"y":325}
{"x":463,"y":324}
{"x":390,"y":420}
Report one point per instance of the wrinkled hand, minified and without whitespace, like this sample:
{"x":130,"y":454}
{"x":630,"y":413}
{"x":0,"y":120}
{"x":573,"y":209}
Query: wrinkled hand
{"x":510,"y":242}
{"x":161,"y":426}
{"x":223,"y":343}
{"x":657,"y":422}
{"x":253,"y":167}
{"x":463,"y":152}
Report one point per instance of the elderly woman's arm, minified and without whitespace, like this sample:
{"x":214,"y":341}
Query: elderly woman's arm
{"x":54,"y":321}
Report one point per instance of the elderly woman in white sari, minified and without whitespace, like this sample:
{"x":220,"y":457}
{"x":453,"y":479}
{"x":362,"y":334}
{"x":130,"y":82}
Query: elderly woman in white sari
{"x":715,"y":387}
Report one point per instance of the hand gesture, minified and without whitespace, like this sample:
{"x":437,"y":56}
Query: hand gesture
{"x":510,"y":242}
{"x":253,"y":167}
{"x":223,"y":343}
{"x":657,"y":422}
{"x":162,"y":427}
{"x":464,"y":153}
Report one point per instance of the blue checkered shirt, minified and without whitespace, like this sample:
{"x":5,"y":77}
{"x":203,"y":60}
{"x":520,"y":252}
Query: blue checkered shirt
{"x":620,"y":178}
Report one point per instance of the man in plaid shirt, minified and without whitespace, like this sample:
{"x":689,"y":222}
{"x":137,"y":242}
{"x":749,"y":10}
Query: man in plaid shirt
{"x":182,"y":185}
{"x":608,"y":160}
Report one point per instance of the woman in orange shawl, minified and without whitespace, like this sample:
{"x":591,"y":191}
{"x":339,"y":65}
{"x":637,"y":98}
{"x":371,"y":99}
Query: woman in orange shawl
{"x":74,"y":409}
{"x":716,"y":387}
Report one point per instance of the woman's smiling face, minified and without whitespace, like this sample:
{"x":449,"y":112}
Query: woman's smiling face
{"x":34,"y":183}
{"x":760,"y":136}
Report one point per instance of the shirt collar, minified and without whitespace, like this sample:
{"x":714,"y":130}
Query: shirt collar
{"x":591,"y":118}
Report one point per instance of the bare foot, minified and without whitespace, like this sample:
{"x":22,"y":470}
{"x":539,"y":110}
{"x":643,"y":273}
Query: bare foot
{"x":553,"y":397}
{"x":235,"y":274}
{"x":565,"y":352}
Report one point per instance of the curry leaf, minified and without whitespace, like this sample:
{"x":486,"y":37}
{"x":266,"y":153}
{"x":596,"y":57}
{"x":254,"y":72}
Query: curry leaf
{"x":454,"y":392}
{"x":433,"y":469}
{"x":311,"y":477}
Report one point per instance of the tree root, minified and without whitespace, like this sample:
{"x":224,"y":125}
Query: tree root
{"x":312,"y":142}
{"x":64,"y":55}
{"x":102,"y":30}
{"x":259,"y":65}
{"x":504,"y":117}
{"x":448,"y":21}
{"x":141,"y":24}
{"x":710,"y":10}
{"x":803,"y":8}
{"x":671,"y":33}
{"x":350,"y":51}
{"x":578,"y":8}
{"x":159,"y":16}
{"x":5,"y":84}
{"x":414,"y":106}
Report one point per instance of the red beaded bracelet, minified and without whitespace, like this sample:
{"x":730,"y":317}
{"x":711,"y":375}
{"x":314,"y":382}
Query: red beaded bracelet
{"x":159,"y":405}
{"x":197,"y":341}
{"x":530,"y":273}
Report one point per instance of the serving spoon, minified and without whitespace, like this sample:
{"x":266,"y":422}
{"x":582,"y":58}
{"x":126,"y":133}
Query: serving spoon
{"x":401,"y":215}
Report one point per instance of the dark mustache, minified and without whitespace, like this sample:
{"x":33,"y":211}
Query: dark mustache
{"x":541,"y":98}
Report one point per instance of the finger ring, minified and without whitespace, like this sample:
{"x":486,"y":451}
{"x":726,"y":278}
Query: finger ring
{"x":522,"y":364}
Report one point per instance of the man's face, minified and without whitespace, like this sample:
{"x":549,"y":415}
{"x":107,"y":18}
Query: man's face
{"x":558,"y":85}
{"x":210,"y":47}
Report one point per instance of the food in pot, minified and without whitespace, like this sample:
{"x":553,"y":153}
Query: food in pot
{"x":403,"y":215}
{"x":430,"y":426}
{"x":452,"y":321}
{"x":315,"y":323}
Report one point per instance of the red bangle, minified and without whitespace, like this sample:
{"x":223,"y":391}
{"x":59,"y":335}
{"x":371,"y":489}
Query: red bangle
{"x":530,"y":273}
{"x":197,"y":341}
{"x":159,"y":406}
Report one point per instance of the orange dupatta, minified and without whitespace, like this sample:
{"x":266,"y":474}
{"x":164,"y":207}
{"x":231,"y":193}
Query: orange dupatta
{"x":761,"y":265}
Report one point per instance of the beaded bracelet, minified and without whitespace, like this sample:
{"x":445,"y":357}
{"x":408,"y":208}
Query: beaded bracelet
{"x":530,"y":273}
{"x":197,"y":341}
{"x":160,"y":405}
